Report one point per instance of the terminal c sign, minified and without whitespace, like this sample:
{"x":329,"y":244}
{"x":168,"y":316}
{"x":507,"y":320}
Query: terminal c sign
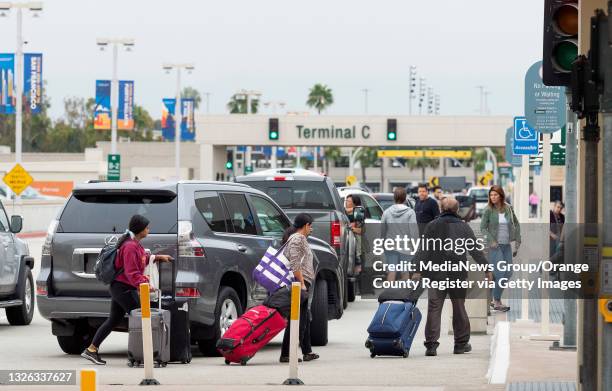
{"x":333,"y":132}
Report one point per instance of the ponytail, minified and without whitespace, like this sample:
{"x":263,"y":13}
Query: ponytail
{"x":300,"y":221}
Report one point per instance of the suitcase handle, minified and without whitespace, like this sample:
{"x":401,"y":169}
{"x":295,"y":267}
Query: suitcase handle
{"x":262,"y":336}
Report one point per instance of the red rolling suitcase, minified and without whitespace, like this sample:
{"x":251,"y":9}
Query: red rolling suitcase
{"x":249,"y":333}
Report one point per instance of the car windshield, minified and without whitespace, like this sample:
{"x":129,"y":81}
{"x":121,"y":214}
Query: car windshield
{"x":480,"y":194}
{"x":296,"y":194}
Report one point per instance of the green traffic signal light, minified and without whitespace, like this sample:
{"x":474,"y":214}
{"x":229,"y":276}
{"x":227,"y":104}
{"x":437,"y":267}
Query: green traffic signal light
{"x":273,"y":135}
{"x":391,"y":136}
{"x":564,"y":55}
{"x":229,"y":165}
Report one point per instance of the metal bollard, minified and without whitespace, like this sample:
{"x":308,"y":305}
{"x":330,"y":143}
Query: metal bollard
{"x":147,"y":336}
{"x":294,"y":342}
{"x":88,"y":380}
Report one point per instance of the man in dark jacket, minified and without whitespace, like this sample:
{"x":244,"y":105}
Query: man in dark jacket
{"x":448,"y":226}
{"x":426,"y":208}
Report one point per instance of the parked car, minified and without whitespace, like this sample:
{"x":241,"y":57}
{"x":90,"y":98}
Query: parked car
{"x":467,"y":207}
{"x":16,"y":265}
{"x":481,"y":195}
{"x":386,"y":200}
{"x":373,"y":215}
{"x":216,"y":231}
{"x":302,"y":191}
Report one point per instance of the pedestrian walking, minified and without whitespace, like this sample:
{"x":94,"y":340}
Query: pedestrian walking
{"x":398,"y":221}
{"x":447,"y":226}
{"x":557,"y":220}
{"x":351,"y":202}
{"x":130,"y":262}
{"x":500,"y":227}
{"x":534,"y":201}
{"x":426,"y":208}
{"x":301,"y":261}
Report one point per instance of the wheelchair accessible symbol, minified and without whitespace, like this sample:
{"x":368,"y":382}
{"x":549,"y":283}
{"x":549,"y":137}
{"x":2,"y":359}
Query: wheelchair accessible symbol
{"x":525,"y":138}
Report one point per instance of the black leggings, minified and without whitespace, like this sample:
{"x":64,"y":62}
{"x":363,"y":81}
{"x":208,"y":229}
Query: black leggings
{"x":304,"y":333}
{"x":124,"y":300}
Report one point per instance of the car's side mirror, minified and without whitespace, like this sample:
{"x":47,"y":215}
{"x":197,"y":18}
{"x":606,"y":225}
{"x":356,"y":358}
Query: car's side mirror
{"x":16,"y":224}
{"x":359,"y":213}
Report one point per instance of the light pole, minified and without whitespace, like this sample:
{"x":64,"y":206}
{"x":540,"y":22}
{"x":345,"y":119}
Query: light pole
{"x":35,"y":7}
{"x":412,"y":88}
{"x":178,"y":115}
{"x":421,"y":94}
{"x":481,"y":107}
{"x":127,"y":43}
{"x":275,"y":105}
{"x":207,"y":95}
{"x":365,"y":99}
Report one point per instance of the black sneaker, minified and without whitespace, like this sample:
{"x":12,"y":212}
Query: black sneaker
{"x":286,"y":359}
{"x":462,"y":348}
{"x":94,"y":357}
{"x":431,"y":351}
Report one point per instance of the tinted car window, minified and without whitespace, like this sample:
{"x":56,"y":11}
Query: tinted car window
{"x":210,"y":207}
{"x":373,"y":210}
{"x":480,"y":194}
{"x":272,"y":222}
{"x":297,"y":194}
{"x":110,"y":213}
{"x":241,"y":218}
{"x":4,"y":224}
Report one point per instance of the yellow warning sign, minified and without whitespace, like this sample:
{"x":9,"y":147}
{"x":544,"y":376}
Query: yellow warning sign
{"x":18,"y":179}
{"x":434,"y":181}
{"x":351,"y":180}
{"x":428,"y":153}
{"x":484,"y":179}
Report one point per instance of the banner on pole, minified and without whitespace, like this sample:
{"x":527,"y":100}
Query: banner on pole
{"x":188,"y":120}
{"x":102,"y":108}
{"x":32,"y":88}
{"x":167,"y":119}
{"x":125,"y":112}
{"x":8,"y":97}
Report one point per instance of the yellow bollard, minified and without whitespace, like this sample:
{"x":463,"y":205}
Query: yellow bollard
{"x":147,"y":336}
{"x":294,"y":341}
{"x":88,"y":380}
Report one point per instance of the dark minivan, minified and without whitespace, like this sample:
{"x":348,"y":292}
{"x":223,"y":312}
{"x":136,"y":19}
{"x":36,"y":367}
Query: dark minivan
{"x":216,"y":231}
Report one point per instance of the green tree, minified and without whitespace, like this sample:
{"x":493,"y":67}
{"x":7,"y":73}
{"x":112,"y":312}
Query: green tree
{"x":423,"y":163}
{"x":479,"y":160}
{"x":239,"y":105}
{"x":320,"y":97}
{"x":331,"y":154}
{"x":192,"y":93}
{"x":367,"y":158}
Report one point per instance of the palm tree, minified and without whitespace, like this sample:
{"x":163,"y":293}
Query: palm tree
{"x":192,"y":93}
{"x":423,"y":163}
{"x":479,"y":158}
{"x":320,"y":97}
{"x":331,"y":154}
{"x":239,"y":106}
{"x":367,"y":158}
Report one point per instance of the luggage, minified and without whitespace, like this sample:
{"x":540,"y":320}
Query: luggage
{"x":401,"y":294}
{"x":160,"y":328}
{"x":249,"y":333}
{"x":393,"y":328}
{"x":281,"y":301}
{"x":180,"y":333}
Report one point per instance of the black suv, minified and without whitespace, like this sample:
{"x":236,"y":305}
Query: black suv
{"x":216,"y":231}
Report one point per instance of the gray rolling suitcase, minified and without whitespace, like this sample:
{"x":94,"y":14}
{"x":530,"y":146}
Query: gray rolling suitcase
{"x":160,"y":328}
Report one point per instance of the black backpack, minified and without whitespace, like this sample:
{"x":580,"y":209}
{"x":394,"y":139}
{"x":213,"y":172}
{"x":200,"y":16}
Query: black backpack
{"x":105,"y":264}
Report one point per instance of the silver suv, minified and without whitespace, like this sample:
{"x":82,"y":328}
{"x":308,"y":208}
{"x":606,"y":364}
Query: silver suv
{"x":216,"y":231}
{"x":16,"y":264}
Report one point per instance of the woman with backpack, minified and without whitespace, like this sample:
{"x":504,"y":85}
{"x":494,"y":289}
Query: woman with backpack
{"x":130,"y":264}
{"x":500,"y":227}
{"x":301,"y":261}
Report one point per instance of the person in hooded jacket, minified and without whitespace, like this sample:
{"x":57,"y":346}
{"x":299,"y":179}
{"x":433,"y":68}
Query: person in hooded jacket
{"x":398,"y":220}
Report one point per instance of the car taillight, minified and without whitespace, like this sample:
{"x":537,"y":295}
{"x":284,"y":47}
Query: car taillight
{"x":46,"y":248}
{"x":335,"y":234}
{"x":41,"y":289}
{"x":191,"y":293}
{"x":279,"y":178}
{"x":188,"y":245}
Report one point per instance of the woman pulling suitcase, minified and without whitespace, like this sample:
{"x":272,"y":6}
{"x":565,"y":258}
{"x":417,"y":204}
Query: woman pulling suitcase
{"x":300,"y":257}
{"x":131,"y":260}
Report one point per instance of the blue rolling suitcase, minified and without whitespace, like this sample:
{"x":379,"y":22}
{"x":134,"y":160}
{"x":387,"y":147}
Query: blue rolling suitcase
{"x":393,"y":329}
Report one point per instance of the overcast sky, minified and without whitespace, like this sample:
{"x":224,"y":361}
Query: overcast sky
{"x":283,"y":47}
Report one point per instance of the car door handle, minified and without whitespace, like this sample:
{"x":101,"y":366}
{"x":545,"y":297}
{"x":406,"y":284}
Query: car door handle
{"x":241,"y":248}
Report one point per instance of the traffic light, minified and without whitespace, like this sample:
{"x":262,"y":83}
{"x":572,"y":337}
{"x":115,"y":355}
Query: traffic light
{"x":273,"y":129}
{"x":229,"y":164}
{"x":560,"y":41}
{"x":391,"y":129}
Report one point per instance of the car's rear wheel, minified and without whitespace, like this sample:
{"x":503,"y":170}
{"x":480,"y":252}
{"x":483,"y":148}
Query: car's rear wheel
{"x":22,"y":315}
{"x":318,"y":325}
{"x":227,"y":310}
{"x":75,"y":344}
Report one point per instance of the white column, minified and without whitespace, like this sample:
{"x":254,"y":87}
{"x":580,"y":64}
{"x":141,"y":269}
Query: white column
{"x":177,"y":126}
{"x":316,"y":158}
{"x":18,"y":88}
{"x":273,"y":157}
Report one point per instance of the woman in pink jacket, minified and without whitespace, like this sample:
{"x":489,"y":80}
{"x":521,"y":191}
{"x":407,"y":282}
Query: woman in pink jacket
{"x":130,"y":262}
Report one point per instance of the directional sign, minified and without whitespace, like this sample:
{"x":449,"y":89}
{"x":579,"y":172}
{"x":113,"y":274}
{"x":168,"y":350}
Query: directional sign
{"x":18,"y":179}
{"x":484,"y":179}
{"x":544,"y":105}
{"x":113,"y":172}
{"x":511,"y":158}
{"x":351,"y":180}
{"x":434,"y":181}
{"x":525,"y":138}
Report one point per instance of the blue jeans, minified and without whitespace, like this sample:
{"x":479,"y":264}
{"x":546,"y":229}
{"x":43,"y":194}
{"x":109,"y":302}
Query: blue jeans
{"x":502,"y":253}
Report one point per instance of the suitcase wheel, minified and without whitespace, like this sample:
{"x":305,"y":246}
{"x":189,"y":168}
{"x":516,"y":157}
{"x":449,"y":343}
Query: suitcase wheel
{"x":244,"y":361}
{"x":368,"y":344}
{"x":372,"y":355}
{"x":405,"y":355}
{"x":227,"y":362}
{"x":130,"y":363}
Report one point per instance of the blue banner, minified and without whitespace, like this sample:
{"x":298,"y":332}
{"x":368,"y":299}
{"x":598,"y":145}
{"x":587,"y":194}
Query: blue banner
{"x":8,"y":97}
{"x":33,"y":81}
{"x":125,"y":112}
{"x":102,"y":108}
{"x":187,"y":120}
{"x":167,"y":119}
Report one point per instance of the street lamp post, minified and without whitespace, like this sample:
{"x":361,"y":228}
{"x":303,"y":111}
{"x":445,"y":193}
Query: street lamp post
{"x":35,"y":7}
{"x":412,"y":88}
{"x":178,"y":115}
{"x":128,"y":43}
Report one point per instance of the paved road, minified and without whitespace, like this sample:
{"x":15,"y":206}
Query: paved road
{"x":344,"y":362}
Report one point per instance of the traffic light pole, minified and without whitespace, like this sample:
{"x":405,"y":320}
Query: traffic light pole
{"x":606,"y":345}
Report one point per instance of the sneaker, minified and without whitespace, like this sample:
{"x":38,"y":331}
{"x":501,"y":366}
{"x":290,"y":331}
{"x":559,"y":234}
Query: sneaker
{"x":431,"y":351}
{"x":94,"y":357}
{"x":501,"y":308}
{"x":286,"y":359}
{"x":462,"y":348}
{"x":310,"y":356}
